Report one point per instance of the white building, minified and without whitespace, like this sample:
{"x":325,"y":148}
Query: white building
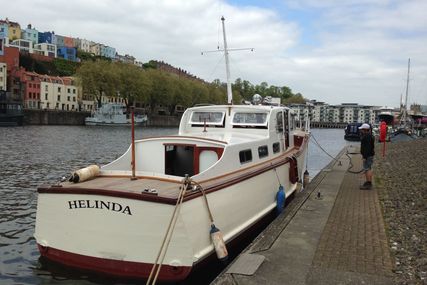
{"x":45,"y":49}
{"x":83,"y":45}
{"x":348,"y":115}
{"x":344,"y":113}
{"x":95,"y":48}
{"x":333,"y":114}
{"x":88,"y":105}
{"x":58,"y":93}
{"x":23,"y":45}
{"x":320,"y":112}
{"x":3,"y":76}
{"x":302,"y":111}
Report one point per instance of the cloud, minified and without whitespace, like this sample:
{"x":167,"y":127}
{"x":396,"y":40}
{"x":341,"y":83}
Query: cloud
{"x":359,"y":51}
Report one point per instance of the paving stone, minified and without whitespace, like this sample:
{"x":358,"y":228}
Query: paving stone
{"x":355,"y":218}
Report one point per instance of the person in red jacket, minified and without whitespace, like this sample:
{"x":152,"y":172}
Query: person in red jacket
{"x":367,"y":149}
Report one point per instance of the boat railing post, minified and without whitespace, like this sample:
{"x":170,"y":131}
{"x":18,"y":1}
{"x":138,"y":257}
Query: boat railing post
{"x":133,"y":142}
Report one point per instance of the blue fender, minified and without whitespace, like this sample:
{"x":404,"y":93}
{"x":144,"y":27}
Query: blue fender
{"x":280,"y":200}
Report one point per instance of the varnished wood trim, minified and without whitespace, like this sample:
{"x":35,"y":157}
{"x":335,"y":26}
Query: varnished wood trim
{"x":111,"y":193}
{"x":141,"y":177}
{"x":185,"y":137}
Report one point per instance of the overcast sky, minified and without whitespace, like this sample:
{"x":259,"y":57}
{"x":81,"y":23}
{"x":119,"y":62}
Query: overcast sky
{"x":329,"y":50}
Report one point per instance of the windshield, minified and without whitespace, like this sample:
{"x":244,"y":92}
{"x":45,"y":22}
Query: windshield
{"x":254,"y":119}
{"x":210,"y":118}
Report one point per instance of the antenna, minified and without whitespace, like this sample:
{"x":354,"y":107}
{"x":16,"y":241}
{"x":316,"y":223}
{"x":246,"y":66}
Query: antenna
{"x":226,"y":50}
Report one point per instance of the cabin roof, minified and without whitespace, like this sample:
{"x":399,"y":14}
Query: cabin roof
{"x":235,"y":107}
{"x":230,"y":137}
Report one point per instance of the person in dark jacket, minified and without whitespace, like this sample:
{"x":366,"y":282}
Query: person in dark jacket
{"x":367,"y":149}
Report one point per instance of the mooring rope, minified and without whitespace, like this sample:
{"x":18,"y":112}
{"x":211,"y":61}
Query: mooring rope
{"x":347,"y":154}
{"x":168,"y":235}
{"x":351,"y":163}
{"x":205,"y":198}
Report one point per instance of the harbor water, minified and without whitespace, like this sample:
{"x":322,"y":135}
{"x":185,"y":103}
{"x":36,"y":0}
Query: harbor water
{"x":34,"y":155}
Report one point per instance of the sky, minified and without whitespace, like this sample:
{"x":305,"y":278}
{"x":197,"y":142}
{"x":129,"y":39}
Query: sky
{"x":333,"y":51}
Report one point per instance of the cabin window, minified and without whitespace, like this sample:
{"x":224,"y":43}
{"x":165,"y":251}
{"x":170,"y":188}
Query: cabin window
{"x":293,"y":124}
{"x":209,"y":118}
{"x":263,"y":151}
{"x":250,"y":119}
{"x":245,"y":156}
{"x":276,"y":147}
{"x":279,"y":119}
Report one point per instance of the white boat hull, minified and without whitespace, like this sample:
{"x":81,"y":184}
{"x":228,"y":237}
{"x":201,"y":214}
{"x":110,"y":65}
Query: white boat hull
{"x":131,"y":239}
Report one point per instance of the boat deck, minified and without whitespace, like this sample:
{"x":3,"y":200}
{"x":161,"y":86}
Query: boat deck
{"x":166,"y":189}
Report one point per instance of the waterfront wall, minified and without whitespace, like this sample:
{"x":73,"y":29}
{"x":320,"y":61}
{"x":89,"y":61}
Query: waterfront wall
{"x":327,"y":125}
{"x":54,"y":117}
{"x":163,"y":121}
{"x":59,"y":117}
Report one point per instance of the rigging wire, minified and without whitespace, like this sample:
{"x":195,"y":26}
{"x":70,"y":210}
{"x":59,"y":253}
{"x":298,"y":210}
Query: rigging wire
{"x":215,"y":68}
{"x":219,"y":28}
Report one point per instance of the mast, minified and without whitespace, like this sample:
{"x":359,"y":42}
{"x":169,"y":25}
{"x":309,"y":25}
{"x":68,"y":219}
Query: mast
{"x":404,"y":114}
{"x":226,"y":51}
{"x":227,"y":65}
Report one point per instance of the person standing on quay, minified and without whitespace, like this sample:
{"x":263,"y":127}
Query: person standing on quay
{"x":367,"y":150}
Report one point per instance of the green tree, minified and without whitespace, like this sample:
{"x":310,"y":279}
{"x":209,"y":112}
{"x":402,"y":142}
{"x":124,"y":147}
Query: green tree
{"x":286,"y":92}
{"x":65,"y":67}
{"x":296,"y":99}
{"x":132,"y":84}
{"x":161,"y":88}
{"x":98,"y":78}
{"x":199,"y":93}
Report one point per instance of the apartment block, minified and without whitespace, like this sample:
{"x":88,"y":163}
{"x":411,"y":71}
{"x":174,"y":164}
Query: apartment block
{"x":344,"y":113}
{"x":82,"y":44}
{"x":125,"y":58}
{"x":4,"y":30}
{"x":46,"y":37}
{"x":23,"y":45}
{"x":107,"y":51}
{"x":58,"y":40}
{"x":45,"y":49}
{"x":30,"y":34}
{"x":69,"y":42}
{"x":95,"y":48}
{"x":30,"y":85}
{"x":9,"y":29}
{"x":68,"y":53}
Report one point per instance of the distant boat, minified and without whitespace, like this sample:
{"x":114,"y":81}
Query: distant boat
{"x":386,"y":115}
{"x":352,"y":132}
{"x":11,"y":112}
{"x":113,"y":114}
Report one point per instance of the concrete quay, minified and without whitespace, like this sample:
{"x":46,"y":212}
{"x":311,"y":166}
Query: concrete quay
{"x":331,"y":233}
